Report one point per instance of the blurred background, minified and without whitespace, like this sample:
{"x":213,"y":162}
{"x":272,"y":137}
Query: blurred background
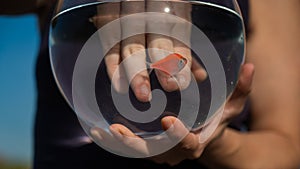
{"x":18,"y":51}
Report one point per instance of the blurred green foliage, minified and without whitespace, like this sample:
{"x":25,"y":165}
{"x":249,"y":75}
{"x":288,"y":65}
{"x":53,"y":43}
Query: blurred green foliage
{"x":14,"y":166}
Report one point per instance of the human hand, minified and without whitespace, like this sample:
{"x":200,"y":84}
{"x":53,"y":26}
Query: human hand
{"x":193,"y":143}
{"x":140,"y":35}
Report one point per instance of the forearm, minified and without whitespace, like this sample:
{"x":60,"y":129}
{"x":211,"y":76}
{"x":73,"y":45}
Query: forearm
{"x":257,"y":149}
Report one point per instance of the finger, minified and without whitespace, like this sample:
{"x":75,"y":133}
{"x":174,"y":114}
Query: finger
{"x":115,"y":142}
{"x":198,"y":71}
{"x":159,"y":44}
{"x":108,"y":38}
{"x":209,"y":130}
{"x":105,"y":140}
{"x":121,"y":129}
{"x":184,"y":76}
{"x":105,"y":15}
{"x":160,"y":47}
{"x":97,"y":133}
{"x":181,"y":33}
{"x":134,"y":56}
{"x":238,"y":98}
{"x":132,"y":144}
{"x":133,"y":51}
{"x":243,"y":87}
{"x":177,"y":29}
{"x":116,"y":71}
{"x":176,"y":130}
{"x":189,"y":142}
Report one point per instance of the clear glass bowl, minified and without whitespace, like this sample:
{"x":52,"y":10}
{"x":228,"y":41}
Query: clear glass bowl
{"x":83,"y":32}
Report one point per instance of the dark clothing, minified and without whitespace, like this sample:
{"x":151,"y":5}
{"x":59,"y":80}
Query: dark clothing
{"x":59,"y":140}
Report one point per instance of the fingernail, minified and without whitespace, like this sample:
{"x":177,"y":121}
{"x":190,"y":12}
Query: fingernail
{"x":150,"y":97}
{"x":167,"y":124}
{"x":116,"y":133}
{"x":181,"y":80}
{"x":144,"y":90}
{"x":171,"y":80}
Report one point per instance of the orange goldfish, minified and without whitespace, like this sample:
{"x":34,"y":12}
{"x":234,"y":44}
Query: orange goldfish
{"x":171,"y":64}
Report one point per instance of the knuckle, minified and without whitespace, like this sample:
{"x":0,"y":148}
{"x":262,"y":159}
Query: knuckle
{"x":132,"y":48}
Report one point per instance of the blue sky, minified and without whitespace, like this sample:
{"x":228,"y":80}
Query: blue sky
{"x":18,"y":51}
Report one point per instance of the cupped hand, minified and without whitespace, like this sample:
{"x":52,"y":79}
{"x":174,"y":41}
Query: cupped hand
{"x":193,"y":143}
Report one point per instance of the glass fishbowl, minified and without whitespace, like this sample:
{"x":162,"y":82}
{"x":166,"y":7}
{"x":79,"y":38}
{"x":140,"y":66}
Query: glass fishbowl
{"x":135,"y":62}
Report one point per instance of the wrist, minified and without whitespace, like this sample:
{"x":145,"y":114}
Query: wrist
{"x":219,"y":150}
{"x":218,"y":141}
